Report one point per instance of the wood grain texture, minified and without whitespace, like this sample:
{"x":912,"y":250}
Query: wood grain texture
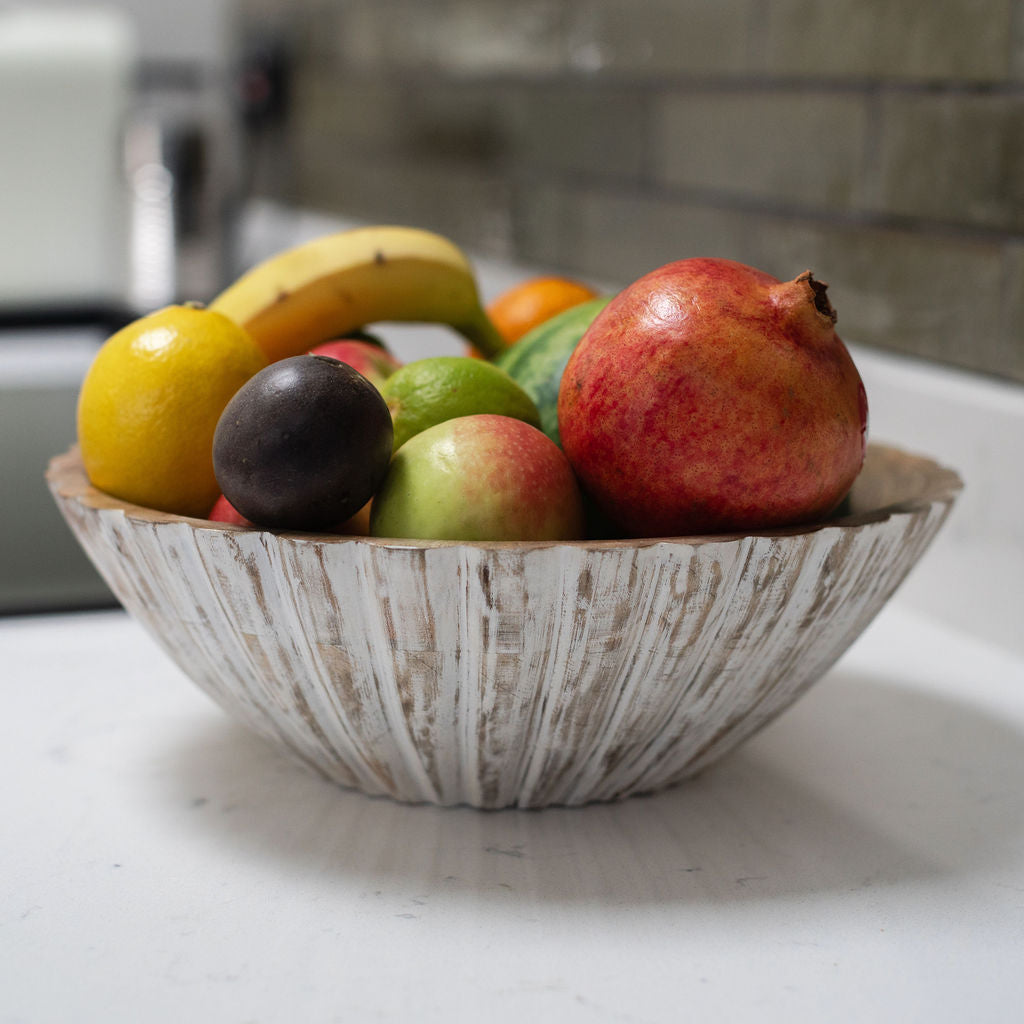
{"x":502,"y":675}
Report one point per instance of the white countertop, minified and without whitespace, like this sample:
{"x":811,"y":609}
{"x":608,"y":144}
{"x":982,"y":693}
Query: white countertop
{"x":861,"y":859}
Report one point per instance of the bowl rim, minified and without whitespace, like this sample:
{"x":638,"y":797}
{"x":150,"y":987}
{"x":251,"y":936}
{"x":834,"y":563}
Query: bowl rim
{"x":66,"y":477}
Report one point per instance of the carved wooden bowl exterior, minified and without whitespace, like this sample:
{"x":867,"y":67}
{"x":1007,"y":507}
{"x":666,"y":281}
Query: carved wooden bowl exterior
{"x":502,"y":675}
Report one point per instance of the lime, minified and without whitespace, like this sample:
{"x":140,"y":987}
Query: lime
{"x":430,"y":391}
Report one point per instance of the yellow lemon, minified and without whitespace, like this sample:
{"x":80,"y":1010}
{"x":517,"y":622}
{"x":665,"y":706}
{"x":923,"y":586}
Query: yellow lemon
{"x":150,"y":402}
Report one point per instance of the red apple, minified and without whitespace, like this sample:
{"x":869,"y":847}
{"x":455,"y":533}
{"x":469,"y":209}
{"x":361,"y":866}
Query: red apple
{"x":479,"y":478}
{"x":709,"y":396}
{"x":356,"y":526}
{"x":224,"y":512}
{"x":375,"y":363}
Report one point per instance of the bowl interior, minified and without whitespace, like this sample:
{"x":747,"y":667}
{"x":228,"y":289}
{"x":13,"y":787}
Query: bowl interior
{"x":891,"y":482}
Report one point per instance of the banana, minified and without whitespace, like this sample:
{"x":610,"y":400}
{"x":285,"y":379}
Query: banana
{"x":340,"y":282}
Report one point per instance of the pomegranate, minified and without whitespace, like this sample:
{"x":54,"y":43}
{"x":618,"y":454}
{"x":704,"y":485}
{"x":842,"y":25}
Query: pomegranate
{"x":709,"y":396}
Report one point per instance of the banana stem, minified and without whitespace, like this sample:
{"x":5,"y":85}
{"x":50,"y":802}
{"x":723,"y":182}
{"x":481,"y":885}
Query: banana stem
{"x":484,"y":336}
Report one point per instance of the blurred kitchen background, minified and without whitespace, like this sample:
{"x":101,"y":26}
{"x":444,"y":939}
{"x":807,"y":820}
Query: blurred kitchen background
{"x":150,"y":151}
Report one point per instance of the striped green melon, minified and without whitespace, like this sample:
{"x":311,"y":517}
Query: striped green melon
{"x":537,"y":360}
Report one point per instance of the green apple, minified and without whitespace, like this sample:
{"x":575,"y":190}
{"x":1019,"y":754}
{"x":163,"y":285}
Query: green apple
{"x":483,"y":477}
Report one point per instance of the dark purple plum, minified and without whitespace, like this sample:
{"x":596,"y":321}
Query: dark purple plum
{"x":303,"y":445}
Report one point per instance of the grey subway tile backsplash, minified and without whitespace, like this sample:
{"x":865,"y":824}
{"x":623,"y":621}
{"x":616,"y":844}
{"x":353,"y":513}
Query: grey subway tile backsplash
{"x":879,"y":142}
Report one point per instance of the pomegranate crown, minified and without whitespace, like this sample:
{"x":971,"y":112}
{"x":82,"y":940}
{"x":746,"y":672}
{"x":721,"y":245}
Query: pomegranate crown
{"x":819,"y":291}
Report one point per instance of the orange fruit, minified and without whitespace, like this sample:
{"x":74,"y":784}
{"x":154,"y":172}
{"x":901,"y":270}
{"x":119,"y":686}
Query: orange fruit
{"x":150,"y":402}
{"x":531,"y":303}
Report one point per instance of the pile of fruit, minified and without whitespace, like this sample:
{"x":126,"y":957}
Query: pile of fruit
{"x":706,"y":396}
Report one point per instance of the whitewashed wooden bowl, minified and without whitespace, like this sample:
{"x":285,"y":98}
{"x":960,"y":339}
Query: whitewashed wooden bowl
{"x":501,"y":675}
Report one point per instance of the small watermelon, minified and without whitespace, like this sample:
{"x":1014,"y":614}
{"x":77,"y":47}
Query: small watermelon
{"x":537,"y":360}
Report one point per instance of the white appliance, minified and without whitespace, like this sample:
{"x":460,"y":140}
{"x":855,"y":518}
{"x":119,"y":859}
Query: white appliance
{"x":66,"y":78}
{"x":66,"y":81}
